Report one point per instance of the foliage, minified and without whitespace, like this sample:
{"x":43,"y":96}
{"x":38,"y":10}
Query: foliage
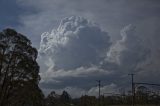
{"x":19,"y":71}
{"x":54,"y":99}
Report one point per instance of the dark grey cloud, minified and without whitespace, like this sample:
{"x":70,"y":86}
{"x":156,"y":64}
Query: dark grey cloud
{"x":111,"y":15}
{"x":149,"y":32}
{"x":9,"y":11}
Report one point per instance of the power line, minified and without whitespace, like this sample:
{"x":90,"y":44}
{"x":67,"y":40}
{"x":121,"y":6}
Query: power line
{"x":147,"y":84}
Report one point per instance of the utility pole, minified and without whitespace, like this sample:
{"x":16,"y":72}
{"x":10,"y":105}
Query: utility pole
{"x":133,"y":88}
{"x":99,"y":87}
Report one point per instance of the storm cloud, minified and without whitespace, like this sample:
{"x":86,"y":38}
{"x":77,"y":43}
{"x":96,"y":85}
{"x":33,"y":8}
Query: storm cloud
{"x":75,"y":50}
{"x":79,"y":50}
{"x":76,"y":43}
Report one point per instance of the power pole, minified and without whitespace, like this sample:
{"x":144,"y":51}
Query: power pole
{"x":99,"y":87}
{"x":133,"y":88}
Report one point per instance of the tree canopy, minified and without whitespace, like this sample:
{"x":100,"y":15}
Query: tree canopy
{"x":19,"y":71}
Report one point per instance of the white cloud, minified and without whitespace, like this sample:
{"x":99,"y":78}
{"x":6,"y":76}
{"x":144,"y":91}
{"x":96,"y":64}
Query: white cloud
{"x":138,"y":51}
{"x":112,"y":88}
{"x":74,"y":50}
{"x":76,"y":43}
{"x":93,"y":71}
{"x":129,"y":51}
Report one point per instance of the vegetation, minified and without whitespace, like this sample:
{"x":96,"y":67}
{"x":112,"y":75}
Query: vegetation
{"x":141,"y":99}
{"x":54,"y":99}
{"x":19,"y":71}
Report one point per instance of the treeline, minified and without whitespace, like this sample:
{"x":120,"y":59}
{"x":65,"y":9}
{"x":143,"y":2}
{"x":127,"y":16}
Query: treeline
{"x":54,"y":99}
{"x":65,"y":99}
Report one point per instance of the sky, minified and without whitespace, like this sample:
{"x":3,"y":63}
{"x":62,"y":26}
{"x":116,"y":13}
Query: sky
{"x":81,"y":41}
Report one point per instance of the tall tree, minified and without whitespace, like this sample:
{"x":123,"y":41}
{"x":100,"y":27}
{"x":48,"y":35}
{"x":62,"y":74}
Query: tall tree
{"x":65,"y":97}
{"x":19,"y":71}
{"x":53,"y":99}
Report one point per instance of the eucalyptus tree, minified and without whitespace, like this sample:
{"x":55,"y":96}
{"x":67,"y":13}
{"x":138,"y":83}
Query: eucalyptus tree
{"x":19,"y":70}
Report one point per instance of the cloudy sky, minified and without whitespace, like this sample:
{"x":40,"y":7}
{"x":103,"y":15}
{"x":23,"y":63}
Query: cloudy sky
{"x":81,"y":41}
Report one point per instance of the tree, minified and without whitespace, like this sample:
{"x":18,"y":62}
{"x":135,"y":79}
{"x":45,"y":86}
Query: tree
{"x":52,"y":99}
{"x":65,"y":97}
{"x":88,"y":101}
{"x":19,"y":71}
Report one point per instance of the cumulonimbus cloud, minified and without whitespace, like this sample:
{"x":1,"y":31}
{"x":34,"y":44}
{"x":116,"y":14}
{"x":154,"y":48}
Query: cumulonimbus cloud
{"x":79,"y":49}
{"x":75,"y":43}
{"x":75,"y":50}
